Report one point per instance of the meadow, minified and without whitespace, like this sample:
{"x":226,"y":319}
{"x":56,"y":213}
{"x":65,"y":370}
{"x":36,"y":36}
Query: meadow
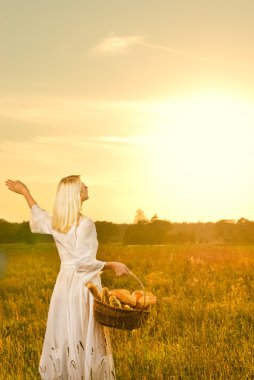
{"x":201,"y":328}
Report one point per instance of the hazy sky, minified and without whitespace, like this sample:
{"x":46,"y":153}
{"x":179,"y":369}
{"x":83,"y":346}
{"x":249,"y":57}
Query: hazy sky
{"x":151,"y":102}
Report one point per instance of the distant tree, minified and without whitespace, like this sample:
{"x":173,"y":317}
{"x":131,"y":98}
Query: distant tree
{"x":245,"y":231}
{"x":140,"y":217}
{"x":24,"y":234}
{"x":232,"y":232}
{"x":20,"y":233}
{"x":225,"y":230}
{"x":157,"y":231}
{"x":182,"y":237}
{"x":107,"y":232}
{"x":154,"y":232}
{"x":154,"y":218}
{"x":8,"y":231}
{"x":242,"y":221}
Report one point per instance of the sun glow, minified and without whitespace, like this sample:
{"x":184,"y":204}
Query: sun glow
{"x":205,"y":150}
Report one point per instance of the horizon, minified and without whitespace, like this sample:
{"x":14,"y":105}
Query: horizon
{"x":233,"y":221}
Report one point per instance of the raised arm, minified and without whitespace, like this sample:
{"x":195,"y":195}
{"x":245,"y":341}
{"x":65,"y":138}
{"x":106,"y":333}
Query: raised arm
{"x":20,"y":188}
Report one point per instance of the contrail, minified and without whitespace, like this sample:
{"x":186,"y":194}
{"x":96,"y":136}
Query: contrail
{"x":179,"y":52}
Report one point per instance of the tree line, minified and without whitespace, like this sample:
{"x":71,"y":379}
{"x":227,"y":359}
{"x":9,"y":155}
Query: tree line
{"x":145,"y":231}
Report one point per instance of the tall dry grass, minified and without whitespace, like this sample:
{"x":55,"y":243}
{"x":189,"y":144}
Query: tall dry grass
{"x":201,"y":328}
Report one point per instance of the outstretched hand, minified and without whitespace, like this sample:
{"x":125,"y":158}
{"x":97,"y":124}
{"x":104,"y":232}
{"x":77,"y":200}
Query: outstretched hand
{"x":16,"y":186}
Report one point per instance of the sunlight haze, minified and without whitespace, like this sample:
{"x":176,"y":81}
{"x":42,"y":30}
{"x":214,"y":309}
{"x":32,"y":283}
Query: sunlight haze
{"x":152,"y":103}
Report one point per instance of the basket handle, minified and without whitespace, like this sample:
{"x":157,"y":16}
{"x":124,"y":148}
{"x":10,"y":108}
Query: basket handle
{"x":142,"y":286}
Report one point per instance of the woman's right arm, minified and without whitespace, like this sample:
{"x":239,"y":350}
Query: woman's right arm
{"x":40,"y":221}
{"x":20,"y":188}
{"x":86,"y":250}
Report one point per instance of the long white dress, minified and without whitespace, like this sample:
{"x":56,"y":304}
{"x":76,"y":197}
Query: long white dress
{"x":76,"y":346}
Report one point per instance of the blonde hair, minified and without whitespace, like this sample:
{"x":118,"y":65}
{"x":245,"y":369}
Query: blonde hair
{"x":67,"y":205}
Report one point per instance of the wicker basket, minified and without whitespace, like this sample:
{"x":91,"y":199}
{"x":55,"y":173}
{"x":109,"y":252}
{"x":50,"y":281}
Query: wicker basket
{"x":120,"y":318}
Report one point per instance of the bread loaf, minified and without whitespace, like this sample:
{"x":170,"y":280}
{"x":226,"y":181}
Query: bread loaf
{"x":147,"y":301}
{"x":105,"y":295}
{"x":124,"y":296}
{"x":94,"y":290}
{"x":126,"y":307}
{"x":138,"y":294}
{"x":113,"y":301}
{"x":126,"y":291}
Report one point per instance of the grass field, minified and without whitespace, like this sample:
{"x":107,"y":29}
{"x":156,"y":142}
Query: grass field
{"x":201,"y":328}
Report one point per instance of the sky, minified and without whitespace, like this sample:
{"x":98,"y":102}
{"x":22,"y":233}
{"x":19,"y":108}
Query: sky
{"x":152,"y":103}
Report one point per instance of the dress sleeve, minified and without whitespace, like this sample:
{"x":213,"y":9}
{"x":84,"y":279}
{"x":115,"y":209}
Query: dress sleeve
{"x":86,"y":249}
{"x":40,"y":220}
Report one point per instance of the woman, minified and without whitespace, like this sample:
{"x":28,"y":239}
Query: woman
{"x":75,"y":346}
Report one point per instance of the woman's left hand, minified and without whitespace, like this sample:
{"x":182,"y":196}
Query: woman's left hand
{"x":120,"y":269}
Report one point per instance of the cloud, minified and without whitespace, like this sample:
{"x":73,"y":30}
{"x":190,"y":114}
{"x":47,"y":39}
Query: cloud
{"x":116,"y":45}
{"x":121,"y":45}
{"x":47,"y":110}
{"x":43,"y":156}
{"x":24,"y":117}
{"x":131,"y":140}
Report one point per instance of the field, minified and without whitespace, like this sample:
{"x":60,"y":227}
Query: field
{"x":201,"y":328}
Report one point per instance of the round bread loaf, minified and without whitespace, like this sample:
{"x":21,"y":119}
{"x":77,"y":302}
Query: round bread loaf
{"x":124,"y":296}
{"x":138,"y":294}
{"x":150,"y":300}
{"x":113,"y":301}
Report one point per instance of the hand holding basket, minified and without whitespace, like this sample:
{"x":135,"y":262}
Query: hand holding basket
{"x":122,"y":318}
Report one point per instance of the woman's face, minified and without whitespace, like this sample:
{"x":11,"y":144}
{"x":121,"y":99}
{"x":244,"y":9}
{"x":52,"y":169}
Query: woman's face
{"x":84,"y":193}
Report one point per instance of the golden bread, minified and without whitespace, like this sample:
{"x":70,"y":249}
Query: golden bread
{"x":126,"y":307}
{"x":113,"y":301}
{"x":151,"y":299}
{"x":124,"y":296}
{"x":105,"y":295}
{"x":138,"y":294}
{"x":94,"y":290}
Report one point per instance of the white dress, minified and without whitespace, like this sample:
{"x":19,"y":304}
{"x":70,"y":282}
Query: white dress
{"x":76,"y":346}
